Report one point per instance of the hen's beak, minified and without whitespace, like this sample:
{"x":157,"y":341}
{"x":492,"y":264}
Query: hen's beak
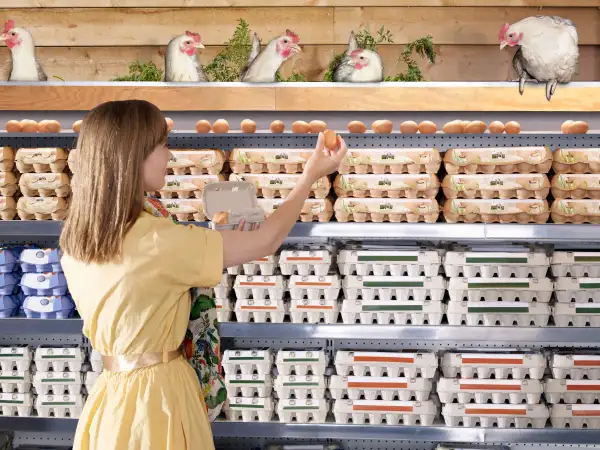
{"x":503,"y":44}
{"x":198,"y":45}
{"x":295,"y":48}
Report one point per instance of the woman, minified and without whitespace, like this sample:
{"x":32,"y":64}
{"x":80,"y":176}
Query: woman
{"x":130,"y":272}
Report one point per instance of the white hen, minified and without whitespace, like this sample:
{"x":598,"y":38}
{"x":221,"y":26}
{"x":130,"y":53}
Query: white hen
{"x":181,"y":60}
{"x":24,"y":65}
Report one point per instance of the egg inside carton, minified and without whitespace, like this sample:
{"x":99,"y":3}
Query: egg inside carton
{"x":575,"y":211}
{"x":281,"y":185}
{"x":576,"y":160}
{"x":411,"y":186}
{"x":506,"y":160}
{"x":503,"y":186}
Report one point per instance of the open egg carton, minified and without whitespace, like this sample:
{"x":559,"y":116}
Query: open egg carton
{"x":386,"y":210}
{"x":501,"y":365}
{"x":305,"y":262}
{"x":18,"y":381}
{"x":505,"y":186}
{"x":300,"y":387}
{"x":42,"y":208}
{"x":576,"y":160}
{"x":15,"y":404}
{"x":196,"y":162}
{"x":269,"y":160}
{"x":394,"y":412}
{"x":281,"y":185}
{"x":314,"y":209}
{"x":492,"y":262}
{"x":261,"y":266}
{"x":567,"y":391}
{"x":310,"y":410}
{"x":15,"y":358}
{"x":373,"y":388}
{"x":260,"y":287}
{"x":505,"y":290}
{"x":575,"y":366}
{"x":302,"y":362}
{"x":41,"y":160}
{"x":507,"y":160}
{"x":495,"y":391}
{"x":394,"y":161}
{"x":496,"y":211}
{"x":575,"y":264}
{"x":247,"y":362}
{"x":389,"y":364}
{"x":575,"y":211}
{"x":186,"y":186}
{"x":59,"y":359}
{"x":576,"y":186}
{"x":250,"y":409}
{"x":67,"y":405}
{"x":261,"y":310}
{"x":45,"y":184}
{"x":57,"y":383}
{"x":387,"y":186}
{"x":410,"y":261}
{"x":490,"y":416}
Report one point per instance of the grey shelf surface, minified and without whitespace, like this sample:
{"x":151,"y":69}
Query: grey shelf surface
{"x":20,"y":325}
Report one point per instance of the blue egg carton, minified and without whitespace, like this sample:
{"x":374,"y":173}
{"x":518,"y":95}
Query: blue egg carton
{"x":40,"y":260}
{"x":9,"y":305}
{"x":8,"y":260}
{"x":48,"y":307}
{"x":9,"y":283}
{"x":44,"y":284}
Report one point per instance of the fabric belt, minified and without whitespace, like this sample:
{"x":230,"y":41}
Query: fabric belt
{"x":127,"y":363}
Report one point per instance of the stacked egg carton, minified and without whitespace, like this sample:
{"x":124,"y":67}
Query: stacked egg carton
{"x":498,"y":288}
{"x":576,"y":288}
{"x":11,"y":299}
{"x":249,"y":385}
{"x":222,"y":293}
{"x":44,"y":183}
{"x":574,"y":390}
{"x":493,"y":390}
{"x":392,"y":285}
{"x":384,"y":387}
{"x":44,"y":285}
{"x":505,"y":184}
{"x":388,"y":185}
{"x":8,"y":184}
{"x":16,"y":398}
{"x":91,"y":376}
{"x":301,"y":386}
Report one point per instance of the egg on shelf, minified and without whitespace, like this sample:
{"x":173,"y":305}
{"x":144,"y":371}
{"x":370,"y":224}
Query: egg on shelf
{"x":170,"y":124}
{"x":49,"y":126}
{"x":496,"y":127}
{"x":454,"y":127}
{"x":14,"y":126}
{"x":476,"y":127}
{"x":427,"y":127}
{"x":77,"y":126}
{"x":578,"y":127}
{"x":300,"y":127}
{"x":566,"y":126}
{"x":409,"y":127}
{"x":220,"y":126}
{"x":512,"y":127}
{"x":317,"y":126}
{"x":357,"y":126}
{"x":29,"y":126}
{"x":248,"y":126}
{"x":382,"y":126}
{"x":203,"y":126}
{"x":277,"y":126}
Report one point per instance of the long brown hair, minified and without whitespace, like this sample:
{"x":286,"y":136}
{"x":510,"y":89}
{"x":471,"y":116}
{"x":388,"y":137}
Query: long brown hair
{"x":107,"y":199}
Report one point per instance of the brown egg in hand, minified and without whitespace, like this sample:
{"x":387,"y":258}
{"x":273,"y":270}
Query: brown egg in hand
{"x":203,"y":126}
{"x":330,"y":139}
{"x":277,"y":126}
{"x":357,"y":126}
{"x":220,"y":126}
{"x":248,"y":126}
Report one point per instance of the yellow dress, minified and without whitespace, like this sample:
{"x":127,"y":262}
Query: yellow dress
{"x":138,"y":306}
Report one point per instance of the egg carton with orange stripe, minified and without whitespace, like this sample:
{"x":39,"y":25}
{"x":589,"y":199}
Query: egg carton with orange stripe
{"x":13,"y":404}
{"x":8,"y":184}
{"x":314,"y":311}
{"x":300,"y":386}
{"x":494,"y":391}
{"x":41,"y":160}
{"x":312,"y":410}
{"x":314,"y":209}
{"x":575,"y":264}
{"x":576,"y":314}
{"x":386,"y":388}
{"x":493,"y":365}
{"x":571,"y":391}
{"x":247,"y":362}
{"x":576,"y":160}
{"x":505,"y":186}
{"x":495,"y":416}
{"x":42,"y":208}
{"x":392,"y":364}
{"x":190,"y":209}
{"x":59,"y":405}
{"x":45,"y":184}
{"x":223,"y":309}
{"x":260,"y":287}
{"x":388,"y":288}
{"x":413,"y":263}
{"x":305,"y":262}
{"x":387,"y":186}
{"x":7,"y":159}
{"x":493,"y":211}
{"x":386,"y":210}
{"x":262,"y":266}
{"x":398,"y":312}
{"x":575,"y":416}
{"x":302,"y":362}
{"x":314,"y":287}
{"x":577,"y":290}
{"x":225,"y":286}
{"x":196,"y":162}
{"x":501,"y":264}
{"x":186,"y":186}
{"x":280,"y":185}
{"x":16,"y":357}
{"x":268,"y":160}
{"x":391,"y":160}
{"x":575,"y":211}
{"x":240,"y":385}
{"x":265,"y":310}
{"x":575,"y":366}
{"x":249,"y":409}
{"x":524,"y":290}
{"x":498,"y":313}
{"x":498,"y":160}
{"x":376,"y":412}
{"x":576,"y":186}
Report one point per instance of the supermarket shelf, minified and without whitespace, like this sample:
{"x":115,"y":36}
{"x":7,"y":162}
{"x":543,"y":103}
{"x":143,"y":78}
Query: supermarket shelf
{"x":18,"y":325}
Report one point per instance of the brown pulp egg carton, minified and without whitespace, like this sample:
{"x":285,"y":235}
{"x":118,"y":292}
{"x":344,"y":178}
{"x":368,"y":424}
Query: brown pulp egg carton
{"x":7,"y":159}
{"x":387,"y":185}
{"x":185,"y":209}
{"x":196,"y":162}
{"x":280,"y":185}
{"x":576,"y":186}
{"x":42,"y":208}
{"x":41,"y":160}
{"x":45,"y":184}
{"x":314,"y":209}
{"x":8,"y":208}
{"x":229,"y":203}
{"x":521,"y":186}
{"x":498,"y":160}
{"x":186,"y":186}
{"x":8,"y":184}
{"x":575,"y":211}
{"x":386,"y":210}
{"x":492,"y":211}
{"x":578,"y":160}
{"x":391,"y":160}
{"x":268,"y":160}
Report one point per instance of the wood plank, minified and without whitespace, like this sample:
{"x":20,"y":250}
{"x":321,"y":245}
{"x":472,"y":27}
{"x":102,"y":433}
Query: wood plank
{"x":131,"y":27}
{"x":454,"y":63}
{"x":466,"y":26}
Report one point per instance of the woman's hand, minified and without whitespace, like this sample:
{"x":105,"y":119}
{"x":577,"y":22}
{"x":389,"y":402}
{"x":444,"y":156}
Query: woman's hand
{"x":324,"y":161}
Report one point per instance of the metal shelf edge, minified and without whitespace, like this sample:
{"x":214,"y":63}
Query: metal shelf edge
{"x":21,"y":325}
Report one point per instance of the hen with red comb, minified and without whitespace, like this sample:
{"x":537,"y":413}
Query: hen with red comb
{"x":264,"y":64}
{"x":182,"y":63}
{"x":23,"y":64}
{"x":359,"y":65}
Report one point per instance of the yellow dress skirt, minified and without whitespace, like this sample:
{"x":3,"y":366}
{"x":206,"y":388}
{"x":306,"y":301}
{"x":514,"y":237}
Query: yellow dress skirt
{"x":142,"y":305}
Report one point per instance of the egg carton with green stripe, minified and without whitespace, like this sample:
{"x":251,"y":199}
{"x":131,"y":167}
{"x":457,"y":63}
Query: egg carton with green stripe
{"x":243,"y":385}
{"x":59,"y":359}
{"x":575,"y":416}
{"x":500,"y":365}
{"x":17,"y":357}
{"x":225,"y":286}
{"x":576,"y":366}
{"x":266,"y":310}
{"x":504,"y":314}
{"x":59,"y":405}
{"x":576,"y":314}
{"x":15,"y":381}
{"x":300,"y":386}
{"x":496,"y":264}
{"x":305,"y":262}
{"x":398,"y":263}
{"x":249,"y":409}
{"x":496,"y":391}
{"x":302,"y":362}
{"x":577,"y":290}
{"x":376,"y":412}
{"x":385,"y":312}
{"x":260,"y":287}
{"x":247,"y":362}
{"x":394,"y":288}
{"x":314,"y":311}
{"x":571,"y":391}
{"x":390,"y":364}
{"x":15,"y":404}
{"x":506,"y":289}
{"x":312,"y":410}
{"x":314,"y":287}
{"x":223,"y":309}
{"x":262,"y":266}
{"x":57,"y":383}
{"x":386,"y":388}
{"x":487,"y":415}
{"x":575,"y":264}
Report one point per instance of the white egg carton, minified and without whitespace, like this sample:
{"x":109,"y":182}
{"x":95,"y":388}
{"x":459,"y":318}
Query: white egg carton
{"x":394,"y":412}
{"x":225,"y":286}
{"x":247,"y":362}
{"x":96,"y":361}
{"x":580,"y":290}
{"x":314,"y":287}
{"x":301,"y":362}
{"x":575,"y":366}
{"x":59,"y":405}
{"x":253,"y":409}
{"x":397,"y":263}
{"x":575,"y":264}
{"x":260,"y":287}
{"x":15,"y":381}
{"x":250,"y":310}
{"x":223,"y":309}
{"x":496,"y":264}
{"x":571,"y":391}
{"x":489,"y":391}
{"x":90,"y":380}
{"x":389,"y":287}
{"x":314,"y":311}
{"x":59,"y":359}
{"x":400,"y":312}
{"x":393,"y":364}
{"x":388,"y":388}
{"x":241,"y":385}
{"x":575,"y":416}
{"x":502,"y":416}
{"x":505,"y":289}
{"x":504,"y":314}
{"x":57,"y":383}
{"x":261,"y":266}
{"x":13,"y":404}
{"x":577,"y":314}
{"x":300,"y":386}
{"x":313,"y":410}
{"x":15,"y":358}
{"x":498,"y":365}
{"x":305,"y":262}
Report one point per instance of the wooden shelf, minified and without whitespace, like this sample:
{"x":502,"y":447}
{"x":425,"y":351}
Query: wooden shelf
{"x":54,"y":96}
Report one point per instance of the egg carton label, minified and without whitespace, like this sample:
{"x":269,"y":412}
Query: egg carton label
{"x":253,"y":355}
{"x":378,"y":305}
{"x":506,"y":283}
{"x":499,"y":307}
{"x":568,"y":156}
{"x":12,"y":376}
{"x":314,"y":304}
{"x":487,"y":358}
{"x":400,"y":358}
{"x":299,"y":404}
{"x":13,"y":351}
{"x":586,"y":257}
{"x":584,"y":410}
{"x":490,"y":385}
{"x":589,"y":283}
{"x":14,"y":399}
{"x":376,"y":382}
{"x":496,"y":410}
{"x":582,"y":385}
{"x":243,"y":402}
{"x":586,"y":360}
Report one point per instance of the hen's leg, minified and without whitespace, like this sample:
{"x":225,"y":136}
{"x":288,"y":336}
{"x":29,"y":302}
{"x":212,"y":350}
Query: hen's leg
{"x":550,"y":88}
